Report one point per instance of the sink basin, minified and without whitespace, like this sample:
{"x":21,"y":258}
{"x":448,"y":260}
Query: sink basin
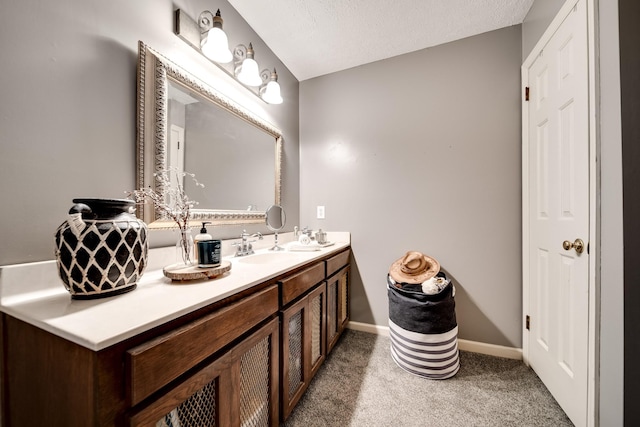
{"x":268,"y":258}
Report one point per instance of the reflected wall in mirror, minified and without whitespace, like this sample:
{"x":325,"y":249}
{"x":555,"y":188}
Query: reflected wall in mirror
{"x":186,"y":125}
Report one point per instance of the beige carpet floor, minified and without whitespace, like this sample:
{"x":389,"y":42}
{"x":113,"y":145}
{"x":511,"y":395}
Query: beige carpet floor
{"x":360,"y":385}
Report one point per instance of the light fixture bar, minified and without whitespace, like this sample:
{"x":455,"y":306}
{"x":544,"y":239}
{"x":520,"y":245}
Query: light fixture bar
{"x":190,"y":31}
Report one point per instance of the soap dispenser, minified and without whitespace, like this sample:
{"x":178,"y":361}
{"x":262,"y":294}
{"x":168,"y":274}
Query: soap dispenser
{"x":204,"y":235}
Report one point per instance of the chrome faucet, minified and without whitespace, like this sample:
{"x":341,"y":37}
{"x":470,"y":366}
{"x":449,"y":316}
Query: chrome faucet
{"x":244,"y":247}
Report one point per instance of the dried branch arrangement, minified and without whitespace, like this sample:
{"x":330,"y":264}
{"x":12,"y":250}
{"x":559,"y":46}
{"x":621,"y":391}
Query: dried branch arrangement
{"x":175,"y":205}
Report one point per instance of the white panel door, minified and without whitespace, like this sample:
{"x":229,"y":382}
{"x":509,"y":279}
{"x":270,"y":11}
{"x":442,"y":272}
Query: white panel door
{"x":176,"y":150}
{"x":176,"y":147}
{"x":558,"y":170}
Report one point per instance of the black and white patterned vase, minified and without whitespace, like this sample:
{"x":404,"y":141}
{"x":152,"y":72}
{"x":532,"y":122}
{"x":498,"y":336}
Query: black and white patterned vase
{"x":102,"y":248}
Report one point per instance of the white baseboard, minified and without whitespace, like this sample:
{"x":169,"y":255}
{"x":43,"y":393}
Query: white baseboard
{"x":367,"y":327}
{"x":490,"y":349}
{"x":465,"y":345}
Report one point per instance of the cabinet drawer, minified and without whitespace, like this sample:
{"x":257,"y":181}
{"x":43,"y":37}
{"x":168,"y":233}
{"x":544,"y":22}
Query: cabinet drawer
{"x":294,"y":286}
{"x":336,"y":262}
{"x":157,"y":362}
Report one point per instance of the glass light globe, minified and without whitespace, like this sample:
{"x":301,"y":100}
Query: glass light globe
{"x":249,"y":73}
{"x":271,"y":93}
{"x":216,"y":46}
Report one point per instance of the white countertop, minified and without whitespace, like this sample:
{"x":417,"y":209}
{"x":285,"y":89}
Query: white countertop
{"x":35,"y":294}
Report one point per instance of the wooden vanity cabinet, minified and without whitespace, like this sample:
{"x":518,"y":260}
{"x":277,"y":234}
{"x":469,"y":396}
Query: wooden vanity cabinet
{"x":218,"y":363}
{"x":230,"y":363}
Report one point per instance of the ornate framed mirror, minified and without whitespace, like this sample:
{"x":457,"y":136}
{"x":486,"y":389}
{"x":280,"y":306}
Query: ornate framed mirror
{"x":185,"y":125}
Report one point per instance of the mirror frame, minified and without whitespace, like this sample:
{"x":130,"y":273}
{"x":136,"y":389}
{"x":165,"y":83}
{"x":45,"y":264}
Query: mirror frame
{"x":154,"y":70}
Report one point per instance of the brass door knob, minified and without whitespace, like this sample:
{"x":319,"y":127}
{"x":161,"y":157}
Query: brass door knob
{"x":578,"y":245}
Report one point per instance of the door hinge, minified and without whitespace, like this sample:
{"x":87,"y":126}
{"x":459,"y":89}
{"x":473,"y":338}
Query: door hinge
{"x":527,"y":322}
{"x":526,"y":93}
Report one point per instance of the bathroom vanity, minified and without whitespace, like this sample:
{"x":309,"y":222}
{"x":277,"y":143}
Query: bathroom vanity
{"x":239,"y":350}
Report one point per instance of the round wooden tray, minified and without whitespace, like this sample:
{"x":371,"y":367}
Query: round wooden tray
{"x":180,"y":272}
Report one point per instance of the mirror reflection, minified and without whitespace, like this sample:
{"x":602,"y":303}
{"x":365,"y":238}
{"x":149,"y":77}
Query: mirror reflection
{"x":233,"y":159}
{"x":187,"y":125}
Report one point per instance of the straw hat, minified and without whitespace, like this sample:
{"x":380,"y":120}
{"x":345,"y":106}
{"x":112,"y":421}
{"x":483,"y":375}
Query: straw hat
{"x":414,"y":268}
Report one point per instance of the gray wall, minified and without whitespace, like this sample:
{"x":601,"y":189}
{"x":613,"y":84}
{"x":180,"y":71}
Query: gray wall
{"x":422,"y":152}
{"x":611,"y":369}
{"x":67,"y":114}
{"x":536,"y":22}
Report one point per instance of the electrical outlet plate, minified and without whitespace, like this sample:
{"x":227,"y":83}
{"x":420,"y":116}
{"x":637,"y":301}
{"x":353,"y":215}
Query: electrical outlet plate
{"x":320,"y":212}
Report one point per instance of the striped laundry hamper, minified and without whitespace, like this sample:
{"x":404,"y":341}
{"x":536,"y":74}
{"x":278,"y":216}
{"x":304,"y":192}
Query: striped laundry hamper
{"x":423,"y":329}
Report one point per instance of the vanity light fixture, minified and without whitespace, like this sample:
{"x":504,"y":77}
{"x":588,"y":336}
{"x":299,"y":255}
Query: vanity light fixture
{"x":207,"y":37}
{"x":270,"y":89}
{"x":246,"y":69}
{"x":214,"y":43}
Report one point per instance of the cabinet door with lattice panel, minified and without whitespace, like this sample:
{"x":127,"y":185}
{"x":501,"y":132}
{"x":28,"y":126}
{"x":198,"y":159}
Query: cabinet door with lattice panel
{"x":303,"y":346}
{"x":257,"y":362}
{"x":337,"y":306}
{"x":318,"y":323}
{"x":293,"y":375}
{"x":239,"y":388}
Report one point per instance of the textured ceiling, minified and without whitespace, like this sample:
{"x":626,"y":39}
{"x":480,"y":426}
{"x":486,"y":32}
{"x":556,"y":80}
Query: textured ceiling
{"x":317,"y":37}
